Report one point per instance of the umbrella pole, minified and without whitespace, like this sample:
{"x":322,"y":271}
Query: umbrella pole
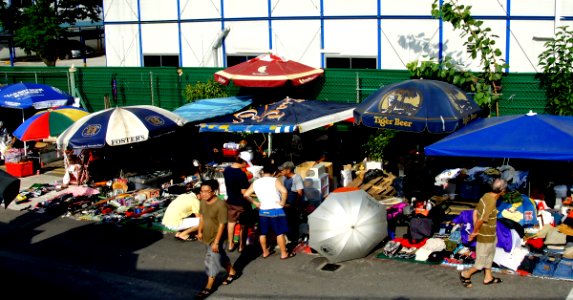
{"x":270,"y":149}
{"x":24,"y":119}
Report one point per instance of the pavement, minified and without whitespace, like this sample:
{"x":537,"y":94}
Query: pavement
{"x":55,"y":256}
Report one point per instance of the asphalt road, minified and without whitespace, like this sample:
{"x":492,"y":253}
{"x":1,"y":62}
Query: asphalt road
{"x":54,"y":256}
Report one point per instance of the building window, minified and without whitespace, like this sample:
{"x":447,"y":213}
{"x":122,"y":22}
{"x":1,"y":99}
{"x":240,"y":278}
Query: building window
{"x":351,"y":62}
{"x":237,"y":59}
{"x":161,"y":61}
{"x":21,"y":3}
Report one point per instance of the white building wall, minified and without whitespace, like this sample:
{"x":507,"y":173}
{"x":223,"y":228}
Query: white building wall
{"x":299,"y":30}
{"x":122,"y":46}
{"x":290,"y":8}
{"x":160,"y":39}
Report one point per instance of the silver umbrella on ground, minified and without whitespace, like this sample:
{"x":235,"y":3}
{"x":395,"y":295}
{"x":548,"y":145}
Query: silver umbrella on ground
{"x":347,"y":225}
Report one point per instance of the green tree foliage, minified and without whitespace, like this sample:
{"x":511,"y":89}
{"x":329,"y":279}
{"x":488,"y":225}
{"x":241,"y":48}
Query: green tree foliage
{"x":204,"y":90}
{"x":377,"y":144}
{"x":557,"y":76}
{"x":480,"y":42}
{"x":39,"y":28}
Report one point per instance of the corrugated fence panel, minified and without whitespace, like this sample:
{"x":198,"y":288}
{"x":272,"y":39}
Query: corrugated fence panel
{"x":521,"y":93}
{"x":57,"y":77}
{"x":163,"y":87}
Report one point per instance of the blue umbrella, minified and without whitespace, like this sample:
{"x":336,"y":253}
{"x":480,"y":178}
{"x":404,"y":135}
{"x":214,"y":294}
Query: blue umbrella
{"x":26,"y":95}
{"x":209,"y":108}
{"x":417,"y":105}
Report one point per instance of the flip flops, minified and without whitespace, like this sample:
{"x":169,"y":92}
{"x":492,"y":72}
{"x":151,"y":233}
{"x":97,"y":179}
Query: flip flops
{"x":494,"y":280}
{"x":270,"y":253}
{"x":291,"y":254}
{"x":230,"y":279}
{"x":466,"y":282}
{"x":188,"y":239}
{"x":204,"y":294}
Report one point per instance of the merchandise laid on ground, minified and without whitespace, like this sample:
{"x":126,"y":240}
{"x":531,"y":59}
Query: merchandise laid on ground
{"x":533,"y":239}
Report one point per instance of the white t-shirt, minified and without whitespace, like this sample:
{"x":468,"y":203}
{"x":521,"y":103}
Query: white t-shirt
{"x":267,"y":193}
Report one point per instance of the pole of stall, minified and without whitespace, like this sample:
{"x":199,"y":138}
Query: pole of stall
{"x":270,"y":149}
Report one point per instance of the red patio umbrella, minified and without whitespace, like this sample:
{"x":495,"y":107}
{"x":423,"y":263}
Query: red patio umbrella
{"x":268,"y":70}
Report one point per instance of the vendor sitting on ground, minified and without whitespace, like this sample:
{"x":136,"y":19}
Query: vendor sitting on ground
{"x":181,"y":215}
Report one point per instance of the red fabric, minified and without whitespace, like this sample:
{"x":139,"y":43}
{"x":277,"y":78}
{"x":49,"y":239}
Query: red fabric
{"x":405,"y":243}
{"x":536,"y":243}
{"x":345,"y":189}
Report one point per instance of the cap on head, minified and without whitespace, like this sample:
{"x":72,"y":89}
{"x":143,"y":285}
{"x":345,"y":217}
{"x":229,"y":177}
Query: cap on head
{"x":287,"y":165}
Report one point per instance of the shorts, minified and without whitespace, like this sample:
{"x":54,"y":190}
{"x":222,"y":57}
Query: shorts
{"x":234,"y":213}
{"x":215,"y":262}
{"x":485,"y":253}
{"x":278,"y":224}
{"x":185,"y":223}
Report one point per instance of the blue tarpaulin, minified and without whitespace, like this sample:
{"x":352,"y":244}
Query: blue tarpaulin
{"x":530,"y":136}
{"x":204,"y":109}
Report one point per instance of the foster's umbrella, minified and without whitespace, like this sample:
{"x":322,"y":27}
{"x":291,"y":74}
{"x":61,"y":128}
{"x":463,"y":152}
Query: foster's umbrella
{"x":347,"y":225}
{"x":25,"y":95}
{"x":530,"y":136}
{"x":48,"y":123}
{"x":417,"y":105}
{"x":119,"y":126}
{"x":267,"y":70}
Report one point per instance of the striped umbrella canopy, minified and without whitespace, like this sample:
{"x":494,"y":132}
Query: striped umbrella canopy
{"x":49,"y":123}
{"x":119,"y":126}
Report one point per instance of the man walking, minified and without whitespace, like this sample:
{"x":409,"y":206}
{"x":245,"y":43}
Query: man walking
{"x":212,"y":222}
{"x":485,"y":221}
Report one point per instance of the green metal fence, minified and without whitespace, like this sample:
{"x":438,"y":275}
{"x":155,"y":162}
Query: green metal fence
{"x":163,"y":87}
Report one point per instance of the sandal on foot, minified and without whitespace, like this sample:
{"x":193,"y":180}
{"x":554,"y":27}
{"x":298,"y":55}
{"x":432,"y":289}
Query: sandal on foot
{"x":292,"y":254}
{"x":494,"y":280}
{"x":204,"y":294}
{"x":466,"y":282}
{"x":188,"y":239}
{"x":270,"y":253}
{"x":231,"y":278}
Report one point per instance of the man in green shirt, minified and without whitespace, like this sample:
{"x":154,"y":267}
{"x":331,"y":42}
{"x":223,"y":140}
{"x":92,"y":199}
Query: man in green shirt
{"x":212,"y":223}
{"x":485,"y":221}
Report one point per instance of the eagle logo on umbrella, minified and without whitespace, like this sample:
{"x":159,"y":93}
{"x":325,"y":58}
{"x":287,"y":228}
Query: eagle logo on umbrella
{"x":155,"y":120}
{"x":91,"y":130}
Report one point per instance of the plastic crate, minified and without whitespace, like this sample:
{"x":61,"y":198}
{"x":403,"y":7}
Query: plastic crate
{"x":230,"y":152}
{"x":21,"y":169}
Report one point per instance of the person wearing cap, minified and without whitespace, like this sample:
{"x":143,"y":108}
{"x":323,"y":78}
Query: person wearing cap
{"x":295,"y":187}
{"x":236,"y":182}
{"x":485,"y":222}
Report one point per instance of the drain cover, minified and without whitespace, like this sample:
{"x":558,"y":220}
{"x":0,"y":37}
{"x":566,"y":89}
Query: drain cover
{"x":330,"y":267}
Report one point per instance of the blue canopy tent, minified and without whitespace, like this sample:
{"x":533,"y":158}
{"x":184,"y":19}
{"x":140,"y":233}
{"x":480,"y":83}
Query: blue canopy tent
{"x":287,"y":115}
{"x":530,"y":136}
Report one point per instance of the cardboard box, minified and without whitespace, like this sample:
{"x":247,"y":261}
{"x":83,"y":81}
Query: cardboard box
{"x":21,"y":169}
{"x":303,"y":168}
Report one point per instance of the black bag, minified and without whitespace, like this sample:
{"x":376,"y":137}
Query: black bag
{"x":420,"y":227}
